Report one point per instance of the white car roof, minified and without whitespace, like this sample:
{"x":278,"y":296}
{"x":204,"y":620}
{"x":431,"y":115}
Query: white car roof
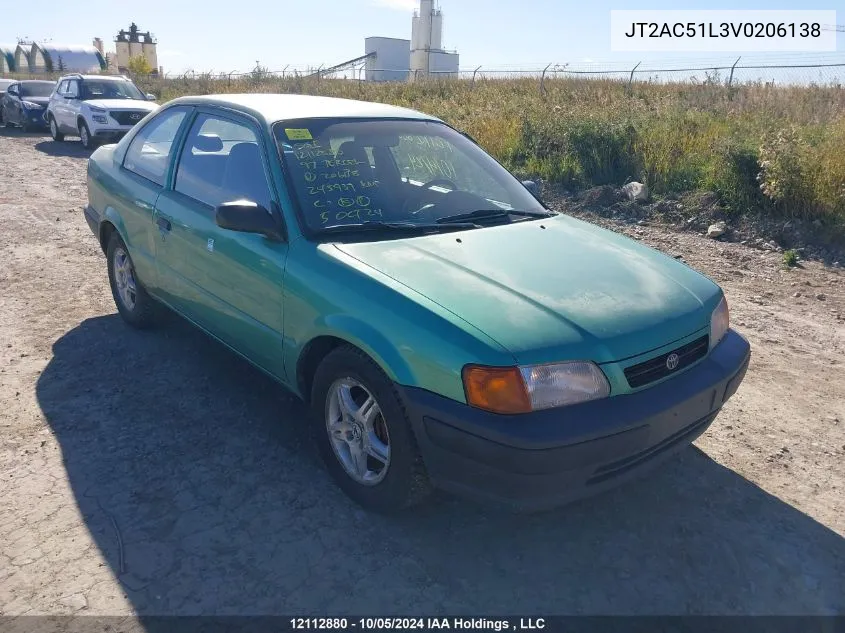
{"x":105,"y":77}
{"x":281,"y":107}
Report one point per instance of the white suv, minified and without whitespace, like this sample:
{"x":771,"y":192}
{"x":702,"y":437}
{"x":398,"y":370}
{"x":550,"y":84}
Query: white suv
{"x":96,"y":108}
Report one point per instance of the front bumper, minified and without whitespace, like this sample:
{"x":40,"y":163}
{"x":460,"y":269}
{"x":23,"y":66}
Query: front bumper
{"x":110,"y":133}
{"x":35,"y":119}
{"x":546,"y":458}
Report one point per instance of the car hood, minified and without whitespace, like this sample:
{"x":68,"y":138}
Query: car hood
{"x":553,"y":289}
{"x":122,"y":104}
{"x":42,"y":101}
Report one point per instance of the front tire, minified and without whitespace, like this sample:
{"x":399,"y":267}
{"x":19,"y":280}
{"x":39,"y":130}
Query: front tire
{"x":54,"y":130}
{"x":88,"y":141}
{"x":364,"y":435}
{"x":133,"y":303}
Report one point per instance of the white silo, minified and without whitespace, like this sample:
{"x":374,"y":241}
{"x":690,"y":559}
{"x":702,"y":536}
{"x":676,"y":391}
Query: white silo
{"x":427,"y":54}
{"x":134,"y":43}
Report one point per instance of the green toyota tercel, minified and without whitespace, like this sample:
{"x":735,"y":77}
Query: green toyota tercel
{"x":445,"y":328}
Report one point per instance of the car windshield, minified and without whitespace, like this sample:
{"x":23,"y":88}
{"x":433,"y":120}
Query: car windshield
{"x":37,"y":89}
{"x":94,"y":89}
{"x":348,"y":172}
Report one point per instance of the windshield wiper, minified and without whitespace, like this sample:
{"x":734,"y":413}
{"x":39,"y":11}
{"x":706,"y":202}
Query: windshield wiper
{"x":403,"y":227}
{"x":492,"y":214}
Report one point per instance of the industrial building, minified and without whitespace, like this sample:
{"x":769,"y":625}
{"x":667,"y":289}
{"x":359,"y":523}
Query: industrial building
{"x":54,"y":58}
{"x":7,"y":58}
{"x":134,"y":43}
{"x":391,"y":59}
{"x":45,"y":57}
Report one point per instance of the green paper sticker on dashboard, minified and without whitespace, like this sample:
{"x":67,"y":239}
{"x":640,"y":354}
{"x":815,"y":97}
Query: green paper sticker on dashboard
{"x":298,"y":134}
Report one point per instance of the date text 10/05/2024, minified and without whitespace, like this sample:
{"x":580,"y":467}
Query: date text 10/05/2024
{"x":418,"y":624}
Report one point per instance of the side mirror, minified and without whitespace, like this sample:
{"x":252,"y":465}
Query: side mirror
{"x":150,"y":96}
{"x":246,"y":216}
{"x":532,"y":186}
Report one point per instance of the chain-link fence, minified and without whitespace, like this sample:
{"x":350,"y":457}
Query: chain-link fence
{"x":827,"y":70}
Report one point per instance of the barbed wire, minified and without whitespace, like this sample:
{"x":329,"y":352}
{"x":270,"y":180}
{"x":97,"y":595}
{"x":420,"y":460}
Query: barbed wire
{"x":829,"y":68}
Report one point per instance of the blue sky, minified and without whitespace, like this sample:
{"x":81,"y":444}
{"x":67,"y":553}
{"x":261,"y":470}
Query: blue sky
{"x":225,"y":35}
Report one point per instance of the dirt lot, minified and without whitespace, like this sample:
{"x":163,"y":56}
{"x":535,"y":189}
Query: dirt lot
{"x":156,"y":473}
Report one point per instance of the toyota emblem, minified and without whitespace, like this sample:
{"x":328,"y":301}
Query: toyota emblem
{"x":134,"y":117}
{"x":672,"y":361}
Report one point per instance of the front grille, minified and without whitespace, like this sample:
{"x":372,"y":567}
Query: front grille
{"x":655,"y":368}
{"x":125,"y":117}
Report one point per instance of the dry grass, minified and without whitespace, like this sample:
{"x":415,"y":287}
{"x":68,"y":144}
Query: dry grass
{"x":763,"y":149}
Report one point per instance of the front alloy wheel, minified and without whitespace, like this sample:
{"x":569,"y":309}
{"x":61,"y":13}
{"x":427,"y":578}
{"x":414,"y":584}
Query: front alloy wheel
{"x":54,"y":130}
{"x":363,"y":433}
{"x":357,"y":431}
{"x":85,"y":136}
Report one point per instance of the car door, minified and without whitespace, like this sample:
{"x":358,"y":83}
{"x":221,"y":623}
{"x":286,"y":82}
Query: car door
{"x":12,"y":104}
{"x":145,"y":170}
{"x":70,"y":107}
{"x":57,"y":104}
{"x":227,"y":282}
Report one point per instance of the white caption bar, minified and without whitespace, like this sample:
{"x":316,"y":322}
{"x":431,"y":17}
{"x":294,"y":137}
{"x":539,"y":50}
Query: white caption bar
{"x":722,"y":31}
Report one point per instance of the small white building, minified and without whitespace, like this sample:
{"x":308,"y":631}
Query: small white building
{"x":390,"y":58}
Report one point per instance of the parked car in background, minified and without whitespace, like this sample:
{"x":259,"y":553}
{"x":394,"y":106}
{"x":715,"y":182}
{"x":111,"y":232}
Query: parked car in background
{"x":97,"y":108}
{"x":25,"y":104}
{"x":445,"y":327}
{"x":4,"y":83}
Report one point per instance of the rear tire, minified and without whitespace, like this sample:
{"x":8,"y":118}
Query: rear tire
{"x":135,"y":306}
{"x":54,"y":130}
{"x":88,"y":141}
{"x":395,"y":483}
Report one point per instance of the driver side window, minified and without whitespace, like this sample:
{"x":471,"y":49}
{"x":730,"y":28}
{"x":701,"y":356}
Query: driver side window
{"x":72,"y":89}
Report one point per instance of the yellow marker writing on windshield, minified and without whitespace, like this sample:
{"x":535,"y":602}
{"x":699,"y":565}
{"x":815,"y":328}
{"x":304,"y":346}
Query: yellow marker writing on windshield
{"x":298,"y":134}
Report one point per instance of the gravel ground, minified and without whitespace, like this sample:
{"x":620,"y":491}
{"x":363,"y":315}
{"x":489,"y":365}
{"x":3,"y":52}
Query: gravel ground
{"x":157,"y":473}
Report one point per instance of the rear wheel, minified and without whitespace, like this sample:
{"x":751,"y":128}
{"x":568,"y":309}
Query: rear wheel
{"x":364,"y":435}
{"x":54,"y":130}
{"x":88,"y":141}
{"x":133,"y":303}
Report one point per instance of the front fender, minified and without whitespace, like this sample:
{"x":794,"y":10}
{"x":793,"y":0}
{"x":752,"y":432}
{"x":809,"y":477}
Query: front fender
{"x":365,"y":337}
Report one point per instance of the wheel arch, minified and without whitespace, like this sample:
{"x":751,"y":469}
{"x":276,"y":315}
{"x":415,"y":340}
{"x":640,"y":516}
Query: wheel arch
{"x":345,"y":330}
{"x":110,"y":224}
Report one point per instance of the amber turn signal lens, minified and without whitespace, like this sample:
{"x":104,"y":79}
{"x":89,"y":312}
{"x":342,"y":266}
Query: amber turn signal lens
{"x":496,"y":389}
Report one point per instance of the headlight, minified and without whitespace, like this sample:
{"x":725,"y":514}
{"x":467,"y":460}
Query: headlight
{"x":719,"y":323}
{"x":99,"y":118}
{"x":29,"y":105}
{"x":96,"y":110}
{"x":533,"y":387}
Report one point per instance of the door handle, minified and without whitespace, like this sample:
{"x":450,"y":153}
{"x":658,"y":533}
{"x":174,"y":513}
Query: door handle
{"x":163,"y":224}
